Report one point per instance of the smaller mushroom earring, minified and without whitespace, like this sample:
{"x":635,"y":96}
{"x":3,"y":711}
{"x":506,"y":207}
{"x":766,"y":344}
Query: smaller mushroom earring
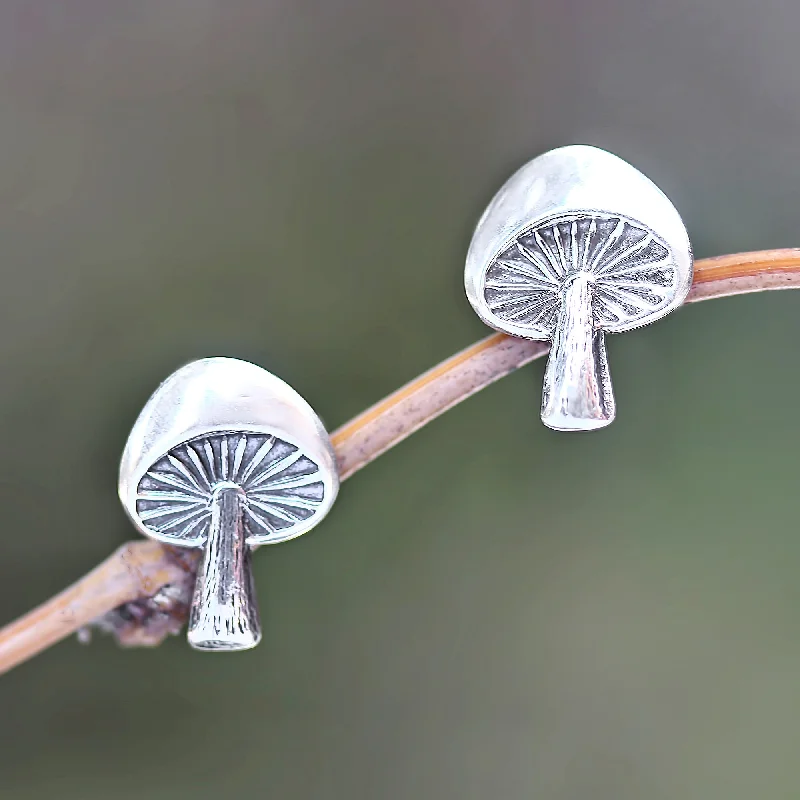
{"x":577,"y":243}
{"x":226,"y":457}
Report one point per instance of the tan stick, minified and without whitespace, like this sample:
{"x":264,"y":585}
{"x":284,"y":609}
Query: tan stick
{"x":432,"y":393}
{"x":135,"y":569}
{"x":139,"y":569}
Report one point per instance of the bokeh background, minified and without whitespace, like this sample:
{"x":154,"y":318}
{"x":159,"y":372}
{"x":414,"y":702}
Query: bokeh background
{"x":492,"y":609}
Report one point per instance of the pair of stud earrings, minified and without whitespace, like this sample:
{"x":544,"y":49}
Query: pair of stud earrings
{"x":227,"y":457}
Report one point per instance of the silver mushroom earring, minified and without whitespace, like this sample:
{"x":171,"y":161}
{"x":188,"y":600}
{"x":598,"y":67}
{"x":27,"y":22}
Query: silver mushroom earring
{"x":577,"y":243}
{"x":226,"y":457}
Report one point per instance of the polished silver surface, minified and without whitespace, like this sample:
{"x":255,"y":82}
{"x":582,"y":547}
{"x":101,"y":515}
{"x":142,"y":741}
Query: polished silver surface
{"x":224,"y":612}
{"x":226,"y":457}
{"x":577,"y":243}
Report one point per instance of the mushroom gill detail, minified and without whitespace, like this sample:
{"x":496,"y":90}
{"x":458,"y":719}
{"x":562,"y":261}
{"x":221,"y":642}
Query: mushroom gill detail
{"x":629,"y":267}
{"x":281,"y":485}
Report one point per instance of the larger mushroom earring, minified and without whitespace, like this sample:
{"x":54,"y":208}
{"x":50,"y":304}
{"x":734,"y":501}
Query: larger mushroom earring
{"x":226,"y":457}
{"x":577,"y":244}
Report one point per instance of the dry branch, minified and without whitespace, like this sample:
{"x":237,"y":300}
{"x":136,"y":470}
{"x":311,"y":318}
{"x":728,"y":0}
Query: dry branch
{"x":141,"y":591}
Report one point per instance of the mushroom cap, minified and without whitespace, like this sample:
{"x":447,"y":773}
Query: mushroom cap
{"x":577,"y":209}
{"x":221,"y":420}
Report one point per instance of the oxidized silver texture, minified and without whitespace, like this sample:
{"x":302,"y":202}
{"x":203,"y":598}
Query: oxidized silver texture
{"x":578,"y":243}
{"x":226,"y":457}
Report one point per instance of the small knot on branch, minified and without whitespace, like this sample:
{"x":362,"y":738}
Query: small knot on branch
{"x":153,"y":615}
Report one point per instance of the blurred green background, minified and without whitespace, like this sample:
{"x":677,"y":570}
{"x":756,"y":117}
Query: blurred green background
{"x":492,"y":609}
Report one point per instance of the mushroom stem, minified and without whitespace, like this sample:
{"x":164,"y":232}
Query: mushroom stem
{"x":224,"y":613}
{"x":577,"y":393}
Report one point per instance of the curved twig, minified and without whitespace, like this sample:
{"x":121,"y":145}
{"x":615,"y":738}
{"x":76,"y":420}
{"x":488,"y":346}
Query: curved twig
{"x":135,"y":576}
